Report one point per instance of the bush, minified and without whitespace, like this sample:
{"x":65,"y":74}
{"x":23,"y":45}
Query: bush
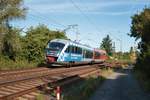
{"x":7,"y":64}
{"x":83,"y":90}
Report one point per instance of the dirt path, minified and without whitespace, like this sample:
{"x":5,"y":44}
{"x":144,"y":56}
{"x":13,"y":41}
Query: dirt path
{"x":121,"y":85}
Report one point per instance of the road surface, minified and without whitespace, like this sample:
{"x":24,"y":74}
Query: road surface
{"x":121,"y":85}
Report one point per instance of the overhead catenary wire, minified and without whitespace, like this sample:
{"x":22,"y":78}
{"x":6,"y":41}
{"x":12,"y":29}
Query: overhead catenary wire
{"x":40,"y":20}
{"x":87,"y":17}
{"x":47,"y":19}
{"x":33,"y":16}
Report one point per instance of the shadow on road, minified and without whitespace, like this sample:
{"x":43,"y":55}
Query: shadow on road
{"x":121,"y":85}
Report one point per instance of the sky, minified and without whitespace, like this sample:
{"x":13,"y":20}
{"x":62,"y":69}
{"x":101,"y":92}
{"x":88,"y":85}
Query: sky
{"x":92,"y":19}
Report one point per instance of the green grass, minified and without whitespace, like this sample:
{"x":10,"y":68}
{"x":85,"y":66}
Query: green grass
{"x":82,"y":90}
{"x":106,"y":72}
{"x":40,"y":97}
{"x":128,"y":61}
{"x":19,"y":64}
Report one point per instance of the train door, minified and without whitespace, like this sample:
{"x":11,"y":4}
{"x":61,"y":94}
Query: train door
{"x":84,"y":54}
{"x":68,"y":50}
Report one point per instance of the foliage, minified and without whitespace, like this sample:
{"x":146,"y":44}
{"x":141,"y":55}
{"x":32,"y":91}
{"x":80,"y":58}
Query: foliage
{"x":40,"y":97}
{"x":12,"y":44}
{"x":9,"y":42}
{"x":140,"y":25}
{"x":8,"y":64}
{"x":28,"y":50}
{"x":36,"y":39}
{"x":122,"y":55}
{"x":17,"y":50}
{"x":107,"y":45}
{"x":84,"y":89}
{"x":140,"y":29}
{"x":11,"y":9}
{"x":143,"y":79}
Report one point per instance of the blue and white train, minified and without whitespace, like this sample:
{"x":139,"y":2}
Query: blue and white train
{"x":67,"y":51}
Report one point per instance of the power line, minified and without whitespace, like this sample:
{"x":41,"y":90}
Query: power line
{"x":88,"y":19}
{"x":97,"y":28}
{"x":47,"y":19}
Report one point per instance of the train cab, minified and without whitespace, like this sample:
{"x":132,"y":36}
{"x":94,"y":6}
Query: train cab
{"x":53,"y":50}
{"x":99,"y":55}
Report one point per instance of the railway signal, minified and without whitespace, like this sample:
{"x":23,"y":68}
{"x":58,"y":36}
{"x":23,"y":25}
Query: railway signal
{"x":58,"y":91}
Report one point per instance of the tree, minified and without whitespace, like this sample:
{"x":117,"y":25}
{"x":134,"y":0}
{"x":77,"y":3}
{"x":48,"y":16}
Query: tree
{"x":36,"y":39}
{"x":107,"y":45}
{"x":9,"y":10}
{"x":140,"y":25}
{"x":140,"y":29}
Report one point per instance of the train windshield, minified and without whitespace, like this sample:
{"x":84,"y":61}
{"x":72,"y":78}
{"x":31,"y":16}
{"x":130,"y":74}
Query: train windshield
{"x":56,"y":45}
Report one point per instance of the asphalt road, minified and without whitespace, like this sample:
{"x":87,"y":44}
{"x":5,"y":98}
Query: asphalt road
{"x":121,"y":85}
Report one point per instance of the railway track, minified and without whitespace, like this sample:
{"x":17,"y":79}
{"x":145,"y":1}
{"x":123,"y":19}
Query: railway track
{"x":26,"y":83}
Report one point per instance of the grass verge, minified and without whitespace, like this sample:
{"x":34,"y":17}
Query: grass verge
{"x":19,"y":64}
{"x":124,"y":61}
{"x":82,"y":90}
{"x":40,"y":97}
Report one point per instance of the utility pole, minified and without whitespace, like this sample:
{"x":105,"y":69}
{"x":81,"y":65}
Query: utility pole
{"x":114,"y":49}
{"x":72,"y":26}
{"x":120,"y":40}
{"x":120,"y":46}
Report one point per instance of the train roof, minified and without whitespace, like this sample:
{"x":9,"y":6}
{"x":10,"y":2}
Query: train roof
{"x":72,"y":42}
{"x":100,"y":50}
{"x":60,"y":40}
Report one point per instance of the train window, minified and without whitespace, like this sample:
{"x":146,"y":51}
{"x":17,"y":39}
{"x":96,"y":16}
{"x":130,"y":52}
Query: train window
{"x":102,"y":53}
{"x":97,"y":54}
{"x":56,"y":45}
{"x":68,"y":49}
{"x":73,"y":49}
{"x":79,"y":50}
{"x":76,"y":50}
{"x":88,"y":54}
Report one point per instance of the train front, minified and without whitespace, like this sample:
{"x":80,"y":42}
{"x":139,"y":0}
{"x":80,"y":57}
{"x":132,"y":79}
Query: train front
{"x":53,"y":50}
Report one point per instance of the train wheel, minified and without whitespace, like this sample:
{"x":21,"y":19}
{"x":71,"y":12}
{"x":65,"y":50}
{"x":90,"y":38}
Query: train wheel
{"x":69,"y":65}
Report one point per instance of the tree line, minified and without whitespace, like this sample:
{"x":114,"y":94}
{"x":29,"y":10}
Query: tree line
{"x":14,"y":46}
{"x":140,"y":30}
